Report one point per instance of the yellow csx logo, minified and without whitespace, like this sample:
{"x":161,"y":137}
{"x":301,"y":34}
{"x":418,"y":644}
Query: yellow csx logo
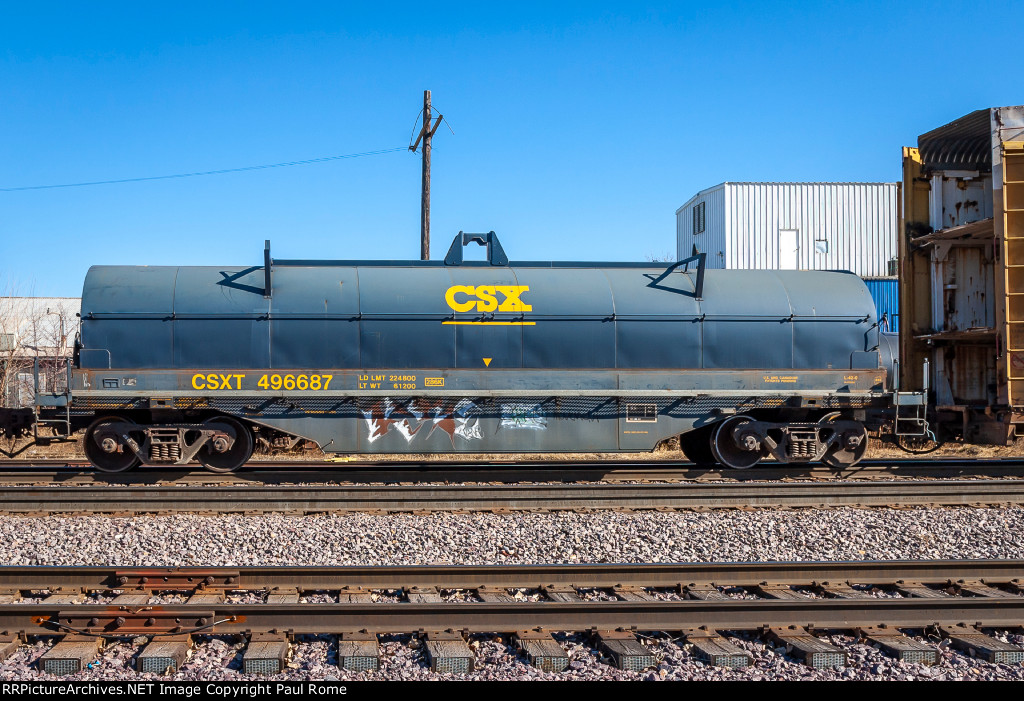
{"x":484,"y":298}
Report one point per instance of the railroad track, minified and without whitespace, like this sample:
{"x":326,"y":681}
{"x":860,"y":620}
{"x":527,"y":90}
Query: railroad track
{"x":790,"y":603}
{"x":45,"y":472}
{"x":248,"y":499}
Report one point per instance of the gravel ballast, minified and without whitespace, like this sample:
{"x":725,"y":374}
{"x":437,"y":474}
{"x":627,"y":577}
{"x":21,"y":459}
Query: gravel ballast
{"x":402,"y":657}
{"x":477,"y":539}
{"x":474,"y":539}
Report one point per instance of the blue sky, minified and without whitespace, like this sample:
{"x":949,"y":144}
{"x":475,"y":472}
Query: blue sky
{"x":579,"y":127}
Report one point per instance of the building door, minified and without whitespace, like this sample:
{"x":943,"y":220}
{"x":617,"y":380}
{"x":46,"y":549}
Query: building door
{"x":789,"y":249}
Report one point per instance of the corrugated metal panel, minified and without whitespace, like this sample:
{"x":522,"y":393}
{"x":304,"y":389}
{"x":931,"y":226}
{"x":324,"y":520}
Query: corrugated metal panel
{"x":964,"y":144}
{"x":885,"y":292}
{"x":840,"y":226}
{"x":856,"y":221}
{"x":712,"y":240}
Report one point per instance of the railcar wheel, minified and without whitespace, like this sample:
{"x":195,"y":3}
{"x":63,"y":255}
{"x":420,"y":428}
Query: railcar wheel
{"x":696,"y":446}
{"x":229,"y":452}
{"x":850,"y":448}
{"x":741,"y":454}
{"x":105,"y":448}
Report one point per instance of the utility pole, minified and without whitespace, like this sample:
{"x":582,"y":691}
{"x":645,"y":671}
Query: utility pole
{"x":426,"y":134}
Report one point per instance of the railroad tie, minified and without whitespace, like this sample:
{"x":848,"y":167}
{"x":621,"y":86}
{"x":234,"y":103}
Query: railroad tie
{"x":495,"y":595}
{"x":897,"y":645}
{"x":423,"y":595}
{"x":355,"y":595}
{"x":715,"y":650}
{"x":164,"y":654}
{"x":72,"y":654}
{"x":980,"y":589}
{"x":844,"y":591}
{"x":283,"y":596}
{"x":624,"y":649}
{"x":134,"y":597}
{"x":448,"y":652}
{"x":8,"y":644}
{"x":265,"y":654}
{"x":632,"y":594}
{"x":918,"y":590}
{"x":561,"y":592}
{"x":64,"y":597}
{"x":358,"y":652}
{"x":704,"y":592}
{"x":206,"y":597}
{"x":977,"y":644}
{"x":780,"y":591}
{"x":542,"y":650}
{"x":812,"y":650}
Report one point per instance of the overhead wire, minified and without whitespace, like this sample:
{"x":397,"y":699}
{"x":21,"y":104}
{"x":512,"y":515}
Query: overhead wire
{"x":221,"y":171}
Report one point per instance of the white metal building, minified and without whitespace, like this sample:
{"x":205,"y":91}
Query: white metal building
{"x":793,"y":226}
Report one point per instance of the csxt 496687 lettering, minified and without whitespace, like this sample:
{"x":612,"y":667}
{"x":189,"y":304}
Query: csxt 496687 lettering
{"x":183,"y":363}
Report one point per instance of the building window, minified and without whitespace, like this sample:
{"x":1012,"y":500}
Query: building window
{"x":821,"y":246}
{"x":698,"y":218}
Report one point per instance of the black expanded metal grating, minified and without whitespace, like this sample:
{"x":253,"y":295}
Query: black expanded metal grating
{"x":1007,"y":657}
{"x":918,"y":656}
{"x":636,"y":663}
{"x":158,"y":664}
{"x":62,"y":666}
{"x":549,"y":664}
{"x":452,"y":665}
{"x":482,"y":406}
{"x":825,"y":660}
{"x":261,"y":666}
{"x":732,"y":661}
{"x":359,"y":664}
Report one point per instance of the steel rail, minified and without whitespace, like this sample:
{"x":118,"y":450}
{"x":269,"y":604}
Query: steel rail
{"x":57,"y":472}
{"x":999,"y":611}
{"x":734,"y":614}
{"x":540,"y":497}
{"x":935,"y":572}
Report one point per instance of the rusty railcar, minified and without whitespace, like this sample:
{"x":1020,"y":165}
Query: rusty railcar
{"x":182,"y":363}
{"x":961,"y":273}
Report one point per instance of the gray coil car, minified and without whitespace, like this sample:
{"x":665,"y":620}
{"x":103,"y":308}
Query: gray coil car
{"x":181,"y":363}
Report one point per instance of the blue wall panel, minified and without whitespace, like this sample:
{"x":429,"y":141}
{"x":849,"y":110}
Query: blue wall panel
{"x":887,"y":301}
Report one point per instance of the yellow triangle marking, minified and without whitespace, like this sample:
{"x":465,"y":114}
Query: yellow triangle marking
{"x":487,"y":362}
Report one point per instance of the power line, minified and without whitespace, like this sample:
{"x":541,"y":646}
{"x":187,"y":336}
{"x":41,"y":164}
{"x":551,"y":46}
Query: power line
{"x":286,"y":164}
